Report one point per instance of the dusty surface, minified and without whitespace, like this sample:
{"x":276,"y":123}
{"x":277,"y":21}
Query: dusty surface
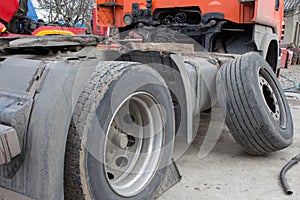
{"x":229,"y":173}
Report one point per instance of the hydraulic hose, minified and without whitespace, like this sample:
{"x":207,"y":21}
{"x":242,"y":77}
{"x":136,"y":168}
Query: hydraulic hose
{"x":286,"y":188}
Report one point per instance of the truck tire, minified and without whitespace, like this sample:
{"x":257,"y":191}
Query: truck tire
{"x":257,"y":112}
{"x":121,"y":136}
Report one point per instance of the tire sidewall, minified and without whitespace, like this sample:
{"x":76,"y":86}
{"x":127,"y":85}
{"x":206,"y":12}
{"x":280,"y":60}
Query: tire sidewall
{"x":127,"y":82}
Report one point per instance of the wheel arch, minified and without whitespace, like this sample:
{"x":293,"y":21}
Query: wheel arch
{"x":272,"y":54}
{"x":268,"y":44}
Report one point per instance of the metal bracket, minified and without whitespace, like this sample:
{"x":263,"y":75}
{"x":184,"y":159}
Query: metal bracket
{"x":9,"y":144}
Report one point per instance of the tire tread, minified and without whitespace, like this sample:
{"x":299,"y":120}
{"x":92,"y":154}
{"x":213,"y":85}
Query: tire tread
{"x":102,"y":75}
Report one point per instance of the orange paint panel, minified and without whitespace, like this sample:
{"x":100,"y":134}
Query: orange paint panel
{"x":267,"y":14}
{"x":105,"y":17}
{"x":263,"y":12}
{"x":247,"y":12}
{"x":231,"y":9}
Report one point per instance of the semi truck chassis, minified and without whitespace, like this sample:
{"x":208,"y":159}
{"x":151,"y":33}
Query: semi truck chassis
{"x":63,"y":105}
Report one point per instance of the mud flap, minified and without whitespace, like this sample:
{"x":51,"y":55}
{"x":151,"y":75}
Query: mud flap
{"x":172,"y":178}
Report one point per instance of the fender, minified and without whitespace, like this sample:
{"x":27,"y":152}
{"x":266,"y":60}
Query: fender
{"x":263,"y":36}
{"x":267,"y":43}
{"x":41,"y":174}
{"x":267,"y":39}
{"x":189,"y":97}
{"x":198,"y":75}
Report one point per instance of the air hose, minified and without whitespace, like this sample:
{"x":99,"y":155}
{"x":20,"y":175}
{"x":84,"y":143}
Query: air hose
{"x":286,"y":188}
{"x":293,"y":88}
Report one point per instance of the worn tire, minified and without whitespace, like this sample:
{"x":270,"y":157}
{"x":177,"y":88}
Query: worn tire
{"x":88,"y":170}
{"x":257,"y":112}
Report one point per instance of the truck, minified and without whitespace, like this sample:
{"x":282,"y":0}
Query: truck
{"x":77,"y":122}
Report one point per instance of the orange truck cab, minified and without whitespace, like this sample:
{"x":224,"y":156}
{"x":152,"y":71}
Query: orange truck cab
{"x":227,"y":26}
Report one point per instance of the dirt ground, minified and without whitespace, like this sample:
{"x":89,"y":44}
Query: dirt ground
{"x":229,"y":173}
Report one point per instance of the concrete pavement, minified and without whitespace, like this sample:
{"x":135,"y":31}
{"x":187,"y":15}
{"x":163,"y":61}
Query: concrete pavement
{"x":229,"y":173}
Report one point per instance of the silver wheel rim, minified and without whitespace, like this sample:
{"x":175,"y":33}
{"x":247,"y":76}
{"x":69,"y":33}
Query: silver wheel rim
{"x":270,"y":98}
{"x":133,"y":144}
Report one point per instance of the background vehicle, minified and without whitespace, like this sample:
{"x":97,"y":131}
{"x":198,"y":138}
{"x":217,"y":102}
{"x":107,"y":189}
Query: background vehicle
{"x":23,"y":24}
{"x":102,"y":125}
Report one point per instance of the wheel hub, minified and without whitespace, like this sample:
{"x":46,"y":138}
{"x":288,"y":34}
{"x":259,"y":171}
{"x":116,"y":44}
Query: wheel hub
{"x":270,"y":98}
{"x":133,"y":144}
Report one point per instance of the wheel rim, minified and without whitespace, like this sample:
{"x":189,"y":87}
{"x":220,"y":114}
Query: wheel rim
{"x":133,"y":144}
{"x":272,"y":97}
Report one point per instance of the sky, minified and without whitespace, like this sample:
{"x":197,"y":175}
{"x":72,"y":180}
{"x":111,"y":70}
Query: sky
{"x":41,"y":13}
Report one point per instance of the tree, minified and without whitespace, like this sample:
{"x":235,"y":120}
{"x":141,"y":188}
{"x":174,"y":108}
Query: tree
{"x":71,"y":11}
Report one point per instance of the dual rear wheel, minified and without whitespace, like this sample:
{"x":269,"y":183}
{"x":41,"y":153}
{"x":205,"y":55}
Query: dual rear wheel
{"x":121,"y":138}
